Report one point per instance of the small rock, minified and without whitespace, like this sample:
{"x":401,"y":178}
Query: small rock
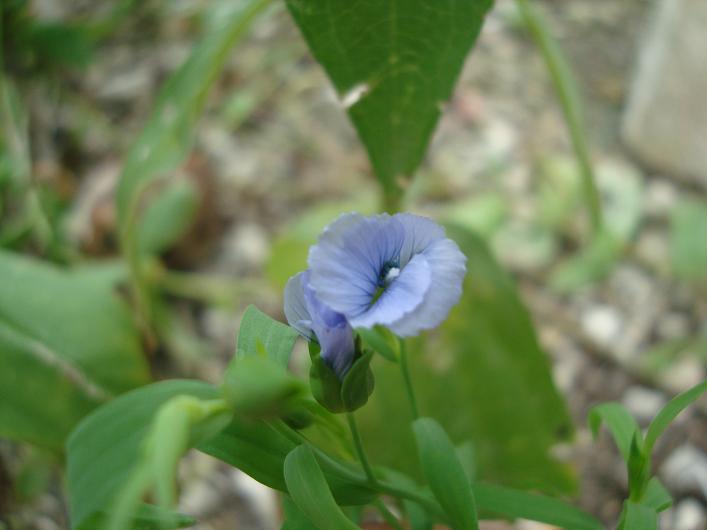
{"x":261,"y":499}
{"x":603,"y":324}
{"x":673,"y":326}
{"x":690,"y":515}
{"x":660,"y":198}
{"x":666,"y":118}
{"x":245,"y":248}
{"x":652,"y":248}
{"x":643,"y":403}
{"x":45,"y":523}
{"x":683,"y":374}
{"x":685,"y":470}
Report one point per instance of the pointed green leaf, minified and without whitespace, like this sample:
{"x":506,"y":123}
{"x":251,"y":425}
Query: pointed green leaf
{"x":656,"y":496}
{"x":496,"y":501}
{"x":445,"y":474}
{"x":622,"y":425}
{"x":259,"y":334}
{"x":394,"y":64}
{"x":310,"y":491}
{"x":639,"y":517}
{"x":670,"y":411}
{"x":358,"y":383}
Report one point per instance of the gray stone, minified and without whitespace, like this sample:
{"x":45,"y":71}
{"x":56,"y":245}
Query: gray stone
{"x":685,"y":470}
{"x":690,"y":515}
{"x":643,"y":403}
{"x":603,"y":324}
{"x":665,"y":122}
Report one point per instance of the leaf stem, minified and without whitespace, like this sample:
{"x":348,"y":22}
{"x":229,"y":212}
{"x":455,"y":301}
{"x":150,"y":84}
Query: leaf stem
{"x":360,"y":451}
{"x":405,"y":369}
{"x":570,"y":101}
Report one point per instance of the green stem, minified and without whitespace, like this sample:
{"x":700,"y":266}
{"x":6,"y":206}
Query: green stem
{"x":387,"y":514}
{"x":212,"y":289}
{"x":392,"y":200}
{"x":360,"y":451}
{"x":405,"y":369}
{"x":568,"y":94}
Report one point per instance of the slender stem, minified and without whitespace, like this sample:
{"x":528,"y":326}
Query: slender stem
{"x":360,"y":451}
{"x":423,"y":500}
{"x":388,"y":516}
{"x":570,"y":101}
{"x":405,"y":369}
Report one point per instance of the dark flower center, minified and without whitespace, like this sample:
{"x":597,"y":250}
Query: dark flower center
{"x":388,"y":273}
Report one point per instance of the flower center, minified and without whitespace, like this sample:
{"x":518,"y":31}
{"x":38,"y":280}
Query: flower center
{"x":388,"y":273}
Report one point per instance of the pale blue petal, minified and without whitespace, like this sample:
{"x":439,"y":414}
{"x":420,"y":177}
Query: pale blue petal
{"x":296,"y":307}
{"x":420,"y":233}
{"x":402,"y":296}
{"x":448,"y":268}
{"x":332,"y":330}
{"x":346,"y":262}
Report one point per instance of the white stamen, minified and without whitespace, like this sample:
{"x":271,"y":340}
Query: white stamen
{"x":393,"y":273}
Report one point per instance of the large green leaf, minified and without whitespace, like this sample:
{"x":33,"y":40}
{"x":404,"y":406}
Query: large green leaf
{"x":105,"y":447}
{"x":165,"y":140}
{"x":394,"y":64}
{"x":67,"y":343}
{"x":485,"y":359}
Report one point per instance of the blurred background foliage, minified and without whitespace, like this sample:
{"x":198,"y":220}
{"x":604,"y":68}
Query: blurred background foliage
{"x":164,"y":164}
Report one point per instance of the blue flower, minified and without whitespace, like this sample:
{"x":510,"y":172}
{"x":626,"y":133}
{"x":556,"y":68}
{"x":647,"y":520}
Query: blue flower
{"x":315,"y":321}
{"x":398,"y":271}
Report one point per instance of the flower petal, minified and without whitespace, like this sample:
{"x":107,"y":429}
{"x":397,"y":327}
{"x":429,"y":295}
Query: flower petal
{"x":332,"y":331}
{"x":420,"y":233}
{"x":296,"y":307}
{"x":448,"y":267}
{"x":402,"y":296}
{"x":346,"y":262}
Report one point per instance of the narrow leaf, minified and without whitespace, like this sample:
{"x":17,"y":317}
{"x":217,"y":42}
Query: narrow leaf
{"x":621,"y":424}
{"x":670,"y":411}
{"x":310,"y":492}
{"x":445,"y":474}
{"x":497,"y":501}
{"x":166,"y":139}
